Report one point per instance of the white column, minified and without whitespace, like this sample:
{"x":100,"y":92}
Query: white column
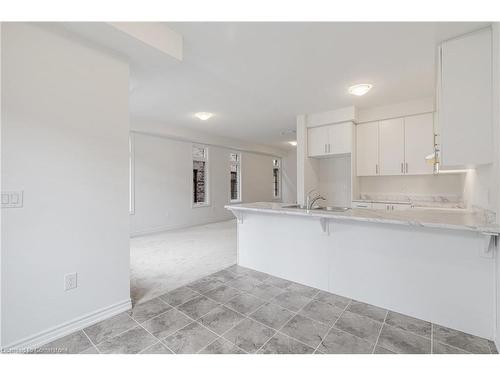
{"x":307,"y":168}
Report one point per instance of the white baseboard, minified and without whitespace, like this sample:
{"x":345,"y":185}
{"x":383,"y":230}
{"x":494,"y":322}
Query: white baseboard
{"x":74,"y":325}
{"x":173,"y":227}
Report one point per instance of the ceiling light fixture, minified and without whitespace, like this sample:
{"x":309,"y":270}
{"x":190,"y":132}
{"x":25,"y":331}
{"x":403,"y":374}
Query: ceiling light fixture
{"x":203,"y":116}
{"x":293,"y":143}
{"x":360,"y":89}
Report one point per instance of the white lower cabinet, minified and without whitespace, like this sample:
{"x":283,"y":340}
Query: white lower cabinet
{"x":391,"y":206}
{"x":361,"y":204}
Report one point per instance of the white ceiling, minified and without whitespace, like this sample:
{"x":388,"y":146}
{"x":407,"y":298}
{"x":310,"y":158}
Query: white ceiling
{"x":256,"y":77}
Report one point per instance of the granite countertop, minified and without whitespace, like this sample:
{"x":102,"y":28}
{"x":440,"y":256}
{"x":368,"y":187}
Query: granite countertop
{"x":429,"y":218}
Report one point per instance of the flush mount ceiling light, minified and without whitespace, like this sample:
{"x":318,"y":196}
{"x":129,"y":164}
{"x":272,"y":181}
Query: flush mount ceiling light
{"x":293,"y":143}
{"x":203,"y":116}
{"x":360,"y":89}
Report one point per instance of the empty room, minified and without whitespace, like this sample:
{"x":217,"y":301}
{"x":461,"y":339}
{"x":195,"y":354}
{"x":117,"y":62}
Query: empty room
{"x":213,"y":186}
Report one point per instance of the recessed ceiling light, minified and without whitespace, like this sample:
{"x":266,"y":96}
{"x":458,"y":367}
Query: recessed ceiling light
{"x":203,"y":116}
{"x":360,"y":89}
{"x":293,"y":143}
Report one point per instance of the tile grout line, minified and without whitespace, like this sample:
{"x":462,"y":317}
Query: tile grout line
{"x":115,"y":335}
{"x":140,"y":325}
{"x":156,"y":343}
{"x":432,"y":338}
{"x":331,"y":327}
{"x":95,"y":347}
{"x":380,"y":332}
{"x":284,"y":324}
{"x":191,"y":322}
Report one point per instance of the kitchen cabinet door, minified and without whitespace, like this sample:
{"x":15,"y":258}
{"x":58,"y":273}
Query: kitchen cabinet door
{"x":419,"y":142}
{"x":392,"y":149}
{"x":465,"y":100}
{"x":317,"y":141}
{"x":340,"y":139}
{"x":367,"y":149}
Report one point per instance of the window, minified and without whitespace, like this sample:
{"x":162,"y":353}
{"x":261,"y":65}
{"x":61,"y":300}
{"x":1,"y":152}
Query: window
{"x":131,"y":171}
{"x":235,"y":176}
{"x":200,"y":176}
{"x":276,"y":178}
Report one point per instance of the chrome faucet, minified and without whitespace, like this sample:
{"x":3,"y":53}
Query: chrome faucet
{"x":317,"y":198}
{"x":309,"y":202}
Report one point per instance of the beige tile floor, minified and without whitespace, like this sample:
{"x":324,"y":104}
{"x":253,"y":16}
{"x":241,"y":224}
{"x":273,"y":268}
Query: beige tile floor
{"x":239,"y":310}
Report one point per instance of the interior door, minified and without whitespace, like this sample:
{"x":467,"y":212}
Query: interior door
{"x":392,"y":149}
{"x":419,"y":142}
{"x":367,"y":149}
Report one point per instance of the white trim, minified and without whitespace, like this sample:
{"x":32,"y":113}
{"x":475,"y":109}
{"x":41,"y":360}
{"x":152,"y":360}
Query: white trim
{"x":167,"y":228}
{"x":131,"y":174}
{"x":72,"y":326}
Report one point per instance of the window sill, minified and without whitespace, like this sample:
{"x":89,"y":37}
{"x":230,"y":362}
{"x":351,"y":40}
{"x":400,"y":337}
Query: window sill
{"x":200,"y":205}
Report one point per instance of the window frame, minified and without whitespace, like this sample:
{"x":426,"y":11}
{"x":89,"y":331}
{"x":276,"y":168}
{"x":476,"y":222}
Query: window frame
{"x":207,"y":201}
{"x":279,"y":196}
{"x":238,"y":176}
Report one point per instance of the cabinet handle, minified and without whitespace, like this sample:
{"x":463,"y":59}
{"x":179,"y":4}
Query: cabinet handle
{"x":402,"y":168}
{"x":325,"y":148}
{"x":406,"y":167}
{"x":376,"y":168}
{"x":329,"y":148}
{"x":392,"y":207}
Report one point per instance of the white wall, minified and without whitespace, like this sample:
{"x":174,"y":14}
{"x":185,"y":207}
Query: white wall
{"x":393,"y":110}
{"x":194,"y":135}
{"x":289,"y":177}
{"x":163,"y":178}
{"x":335,"y":181}
{"x":65,"y":144}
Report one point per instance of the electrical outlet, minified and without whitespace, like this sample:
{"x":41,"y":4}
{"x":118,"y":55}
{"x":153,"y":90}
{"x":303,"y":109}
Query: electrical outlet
{"x":70,"y":281}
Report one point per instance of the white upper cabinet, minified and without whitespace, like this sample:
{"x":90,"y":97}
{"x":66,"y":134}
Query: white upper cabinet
{"x":367,"y":148}
{"x":465,"y":100}
{"x":395,"y":147}
{"x":419,"y":142}
{"x":391,"y":147}
{"x":330,"y":140}
{"x":317,"y":141}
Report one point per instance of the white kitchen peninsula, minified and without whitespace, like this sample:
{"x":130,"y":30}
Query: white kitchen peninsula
{"x":436,"y":265}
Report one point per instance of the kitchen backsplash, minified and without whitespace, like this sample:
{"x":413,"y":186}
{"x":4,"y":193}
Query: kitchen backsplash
{"x":435,"y":201}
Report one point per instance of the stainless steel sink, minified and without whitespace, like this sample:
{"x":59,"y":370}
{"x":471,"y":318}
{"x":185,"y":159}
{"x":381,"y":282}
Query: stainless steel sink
{"x":332,"y":208}
{"x":328,"y":208}
{"x":298,"y":206}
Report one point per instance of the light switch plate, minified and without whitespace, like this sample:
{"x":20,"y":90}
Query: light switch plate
{"x":12,"y":199}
